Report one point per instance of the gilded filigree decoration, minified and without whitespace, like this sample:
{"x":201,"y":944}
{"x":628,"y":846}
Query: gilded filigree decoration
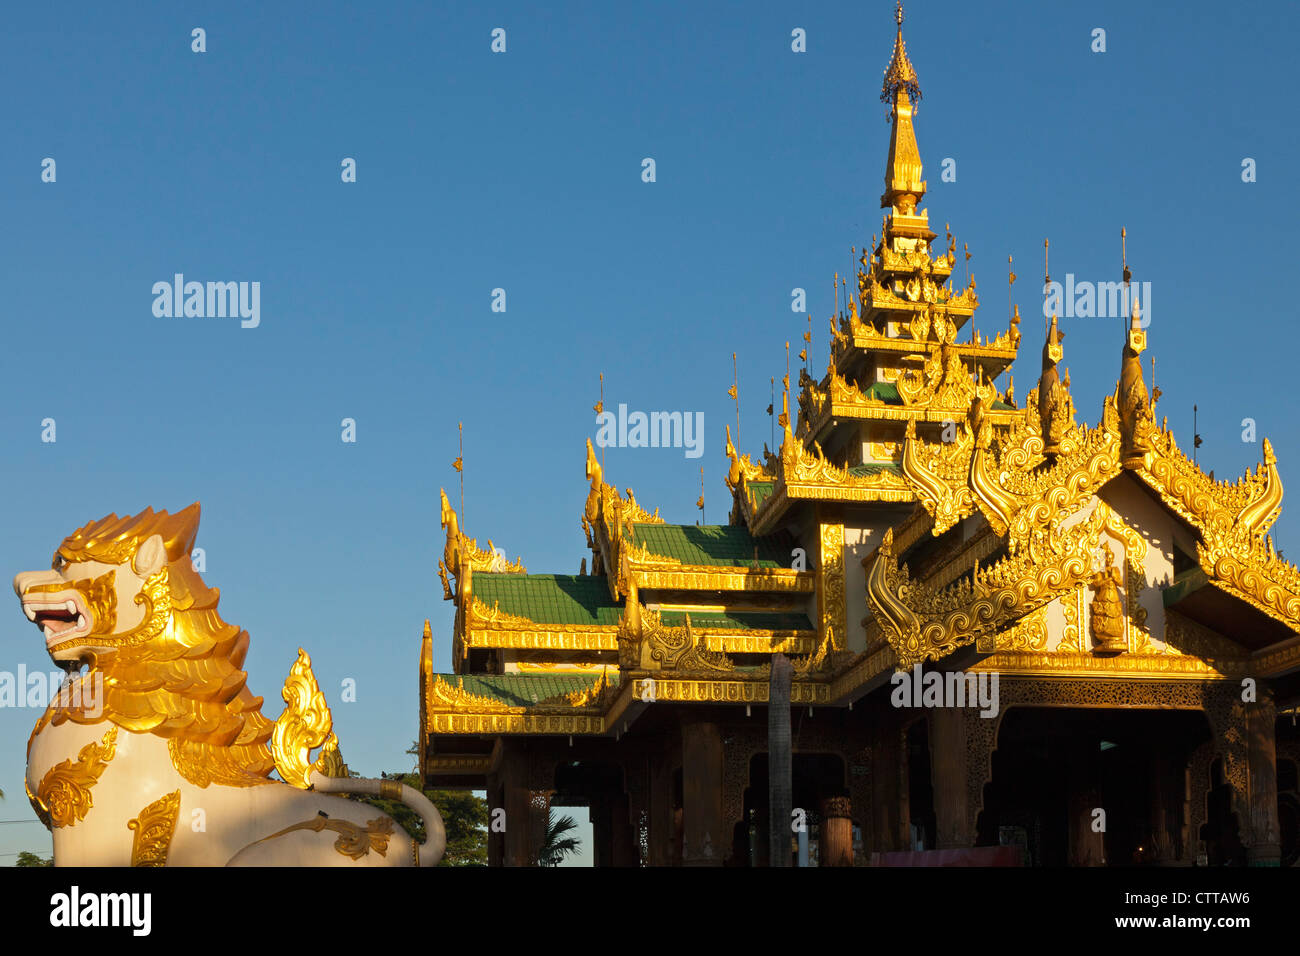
{"x":442,"y":694}
{"x":1072,"y":611}
{"x":834,"y":619}
{"x":305,"y":724}
{"x":923,"y":622}
{"x":153,"y":828}
{"x":462,"y":553}
{"x":64,"y":793}
{"x":676,"y":648}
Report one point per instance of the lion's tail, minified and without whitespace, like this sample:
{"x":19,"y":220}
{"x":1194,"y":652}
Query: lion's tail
{"x":435,"y":843}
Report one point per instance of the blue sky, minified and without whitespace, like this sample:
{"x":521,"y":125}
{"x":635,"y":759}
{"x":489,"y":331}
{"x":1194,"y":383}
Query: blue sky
{"x":522,"y":171}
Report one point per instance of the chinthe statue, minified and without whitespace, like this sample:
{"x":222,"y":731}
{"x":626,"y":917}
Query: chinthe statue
{"x":156,"y":753}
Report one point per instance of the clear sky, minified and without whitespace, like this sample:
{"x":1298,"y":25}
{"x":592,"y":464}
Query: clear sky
{"x":523,"y":171}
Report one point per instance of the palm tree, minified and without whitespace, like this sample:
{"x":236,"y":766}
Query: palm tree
{"x":557,"y":846}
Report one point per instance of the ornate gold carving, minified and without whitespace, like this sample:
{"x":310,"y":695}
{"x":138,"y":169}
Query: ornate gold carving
{"x":1055,"y":406}
{"x":154,"y":828}
{"x":1136,"y":422}
{"x":604,"y":638}
{"x":946,"y":501}
{"x":922,"y":622}
{"x":676,"y":648}
{"x":442,"y":695}
{"x":64,"y":791}
{"x":1255,"y":517}
{"x":834,"y":619}
{"x":1027,"y":634}
{"x":1072,"y":610}
{"x":305,"y":724}
{"x":764,"y":642}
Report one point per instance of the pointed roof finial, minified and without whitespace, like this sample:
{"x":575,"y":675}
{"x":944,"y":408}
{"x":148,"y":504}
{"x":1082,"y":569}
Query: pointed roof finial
{"x":900,"y":75}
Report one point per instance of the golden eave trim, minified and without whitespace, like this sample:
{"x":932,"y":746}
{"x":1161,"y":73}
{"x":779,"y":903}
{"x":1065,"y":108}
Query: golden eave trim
{"x":763,"y":642}
{"x":527,"y":639}
{"x":687,"y":577}
{"x":1087,"y":664}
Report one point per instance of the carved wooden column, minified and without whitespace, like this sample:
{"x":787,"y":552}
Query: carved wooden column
{"x":836,"y":832}
{"x":1265,"y":836}
{"x":1244,"y":731}
{"x":949,"y":777}
{"x":704,"y":840}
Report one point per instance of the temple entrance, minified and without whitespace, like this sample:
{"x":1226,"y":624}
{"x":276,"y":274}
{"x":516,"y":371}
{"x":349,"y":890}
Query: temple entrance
{"x":1093,"y":787}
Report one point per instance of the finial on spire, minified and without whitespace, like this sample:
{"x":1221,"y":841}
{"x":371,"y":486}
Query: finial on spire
{"x":1047,"y":272}
{"x":900,"y":76}
{"x":1123,"y":252}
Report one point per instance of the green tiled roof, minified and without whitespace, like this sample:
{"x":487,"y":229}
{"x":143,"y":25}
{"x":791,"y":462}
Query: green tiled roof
{"x":884,"y":392}
{"x":1003,"y":406}
{"x":1193,"y":579}
{"x":740,"y":620}
{"x":550,"y":598}
{"x":760,"y":490}
{"x":722,"y":545}
{"x":523,"y":690}
{"x":875,"y":469}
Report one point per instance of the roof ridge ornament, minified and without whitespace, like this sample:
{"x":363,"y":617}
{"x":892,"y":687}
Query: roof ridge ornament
{"x":900,"y":74}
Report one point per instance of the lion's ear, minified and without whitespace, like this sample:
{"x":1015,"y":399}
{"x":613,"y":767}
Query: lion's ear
{"x":150,"y":556}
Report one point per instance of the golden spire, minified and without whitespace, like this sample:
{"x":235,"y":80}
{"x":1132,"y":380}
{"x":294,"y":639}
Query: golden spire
{"x":903,"y":184}
{"x":1055,"y":406}
{"x":1136,"y":422}
{"x":900,"y":75}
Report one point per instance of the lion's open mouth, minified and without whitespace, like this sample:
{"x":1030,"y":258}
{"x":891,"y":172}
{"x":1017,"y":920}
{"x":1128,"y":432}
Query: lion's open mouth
{"x":59,"y":620}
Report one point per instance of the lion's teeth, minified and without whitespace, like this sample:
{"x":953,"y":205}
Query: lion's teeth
{"x":31,"y":612}
{"x":49,"y":632}
{"x":71,"y":606}
{"x":81,"y":621}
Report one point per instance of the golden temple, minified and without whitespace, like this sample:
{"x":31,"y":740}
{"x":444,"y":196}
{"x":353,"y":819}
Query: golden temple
{"x":1128,"y":614}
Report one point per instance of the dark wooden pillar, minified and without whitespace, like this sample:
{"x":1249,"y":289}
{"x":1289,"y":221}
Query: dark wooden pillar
{"x":518,"y":820}
{"x":1262,"y":831}
{"x":622,"y":835}
{"x":704,"y":840}
{"x":663,"y":832}
{"x":887,"y":793}
{"x":602,"y":832}
{"x":949,"y":777}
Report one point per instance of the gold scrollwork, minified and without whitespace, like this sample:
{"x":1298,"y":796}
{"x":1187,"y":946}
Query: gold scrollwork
{"x":154,"y":828}
{"x":64,"y":791}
